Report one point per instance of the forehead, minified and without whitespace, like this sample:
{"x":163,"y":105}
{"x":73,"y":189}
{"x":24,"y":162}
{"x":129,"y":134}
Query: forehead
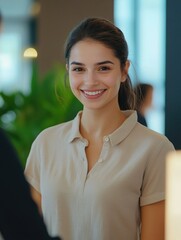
{"x":89,"y":48}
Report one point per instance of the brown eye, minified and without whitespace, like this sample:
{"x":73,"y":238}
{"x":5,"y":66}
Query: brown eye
{"x":104,"y":68}
{"x":77,"y":69}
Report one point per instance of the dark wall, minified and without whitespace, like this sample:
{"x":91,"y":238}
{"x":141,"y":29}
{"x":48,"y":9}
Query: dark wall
{"x":56,"y":19}
{"x":173,"y":72}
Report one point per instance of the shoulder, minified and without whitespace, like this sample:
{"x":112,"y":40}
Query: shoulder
{"x":3,"y":137}
{"x":61,"y":130}
{"x":140,"y":134}
{"x":7,"y":148}
{"x":153,"y":140}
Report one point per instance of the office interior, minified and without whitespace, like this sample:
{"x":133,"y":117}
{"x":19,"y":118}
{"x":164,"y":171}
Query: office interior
{"x":152,"y":29}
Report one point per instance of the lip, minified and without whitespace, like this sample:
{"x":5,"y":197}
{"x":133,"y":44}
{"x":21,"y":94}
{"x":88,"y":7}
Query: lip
{"x":93,"y":94}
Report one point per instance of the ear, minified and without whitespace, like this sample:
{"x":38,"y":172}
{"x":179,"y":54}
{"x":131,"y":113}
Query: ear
{"x":67,"y":66}
{"x":125,"y":71}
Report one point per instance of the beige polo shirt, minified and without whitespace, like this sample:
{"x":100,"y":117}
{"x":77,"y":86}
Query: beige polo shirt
{"x":104,"y":204}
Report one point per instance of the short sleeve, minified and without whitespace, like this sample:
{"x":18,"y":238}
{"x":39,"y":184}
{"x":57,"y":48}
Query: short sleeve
{"x":153,"y":187}
{"x":32,"y":168}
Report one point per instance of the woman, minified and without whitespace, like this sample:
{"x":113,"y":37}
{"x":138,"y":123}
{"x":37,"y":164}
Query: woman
{"x":100,"y":176}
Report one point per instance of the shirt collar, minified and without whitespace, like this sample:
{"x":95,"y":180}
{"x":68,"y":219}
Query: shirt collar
{"x":117,"y":136}
{"x":125,"y":129}
{"x":74,"y":131}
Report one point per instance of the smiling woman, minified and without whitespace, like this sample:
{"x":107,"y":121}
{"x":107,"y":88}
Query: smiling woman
{"x":101,"y":175}
{"x":95,"y":74}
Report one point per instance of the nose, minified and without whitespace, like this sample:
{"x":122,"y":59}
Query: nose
{"x":91,"y":78}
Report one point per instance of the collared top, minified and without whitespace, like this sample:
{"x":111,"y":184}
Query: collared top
{"x":105,"y":203}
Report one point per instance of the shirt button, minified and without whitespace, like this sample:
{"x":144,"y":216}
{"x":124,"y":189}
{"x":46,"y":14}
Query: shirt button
{"x":84,"y":142}
{"x":106,"y":139}
{"x":100,"y":160}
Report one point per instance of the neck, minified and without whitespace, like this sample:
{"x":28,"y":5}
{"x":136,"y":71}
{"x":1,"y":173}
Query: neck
{"x":97,"y":123}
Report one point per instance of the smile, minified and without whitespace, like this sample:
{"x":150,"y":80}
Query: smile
{"x":96,"y":93}
{"x":93,"y":93}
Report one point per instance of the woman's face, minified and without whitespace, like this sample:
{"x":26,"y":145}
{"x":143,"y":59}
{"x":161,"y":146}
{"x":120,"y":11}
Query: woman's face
{"x":95,"y":74}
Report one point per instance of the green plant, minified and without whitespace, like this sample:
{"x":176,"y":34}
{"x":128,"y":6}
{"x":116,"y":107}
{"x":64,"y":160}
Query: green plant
{"x":49,"y":102}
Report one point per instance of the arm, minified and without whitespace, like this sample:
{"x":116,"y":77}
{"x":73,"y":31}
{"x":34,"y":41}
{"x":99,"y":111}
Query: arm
{"x":37,"y":198}
{"x":152,"y":218}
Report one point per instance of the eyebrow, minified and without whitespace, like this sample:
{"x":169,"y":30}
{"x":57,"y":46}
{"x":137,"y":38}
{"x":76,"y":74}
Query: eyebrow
{"x":99,"y":63}
{"x":76,"y":63}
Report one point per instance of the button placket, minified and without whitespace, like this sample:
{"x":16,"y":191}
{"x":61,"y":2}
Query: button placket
{"x":83,"y":144}
{"x":100,"y":160}
{"x":105,"y":147}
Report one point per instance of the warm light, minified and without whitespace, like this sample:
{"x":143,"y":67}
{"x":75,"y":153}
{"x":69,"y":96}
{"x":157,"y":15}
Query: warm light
{"x":30,"y":53}
{"x":36,"y":7}
{"x":173,"y":196}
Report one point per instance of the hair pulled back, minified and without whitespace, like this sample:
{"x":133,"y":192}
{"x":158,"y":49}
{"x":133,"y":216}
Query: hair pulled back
{"x":141,"y":91}
{"x":107,"y":33}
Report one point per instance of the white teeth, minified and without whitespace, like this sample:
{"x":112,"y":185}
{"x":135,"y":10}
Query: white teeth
{"x":93,"y":93}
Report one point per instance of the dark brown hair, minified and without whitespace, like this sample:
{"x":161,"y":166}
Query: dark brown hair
{"x":141,"y":91}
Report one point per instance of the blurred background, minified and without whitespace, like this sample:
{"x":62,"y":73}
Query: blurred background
{"x":32,"y":72}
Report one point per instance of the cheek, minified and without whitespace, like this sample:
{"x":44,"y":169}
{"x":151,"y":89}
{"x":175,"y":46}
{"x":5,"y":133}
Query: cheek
{"x":113,"y":81}
{"x":74,"y":83}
